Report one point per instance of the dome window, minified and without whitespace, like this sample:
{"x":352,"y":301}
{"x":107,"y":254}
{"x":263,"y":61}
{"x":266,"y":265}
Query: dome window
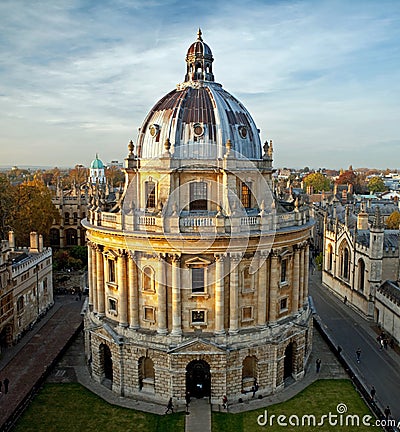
{"x":154,"y":128}
{"x":243,"y":132}
{"x":198,"y":129}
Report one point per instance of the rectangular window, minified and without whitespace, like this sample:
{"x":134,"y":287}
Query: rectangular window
{"x":112,"y":305}
{"x":198,"y":316}
{"x":247,"y":313}
{"x":283,"y":270}
{"x":149,"y":314}
{"x":150,"y":190}
{"x":198,"y":196}
{"x":283,"y":304}
{"x":111,"y":270}
{"x":197,"y":279}
{"x":246,"y":196}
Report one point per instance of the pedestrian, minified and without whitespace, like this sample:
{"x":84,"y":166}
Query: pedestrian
{"x":373,"y":393}
{"x":382,"y":343}
{"x":358,"y":355}
{"x":385,"y":343}
{"x":387,"y":412}
{"x":6,"y":382}
{"x":225,"y":402}
{"x":170,"y":406}
{"x":187,"y":398}
{"x":391,"y":343}
{"x":345,"y":300}
{"x":318,"y":365}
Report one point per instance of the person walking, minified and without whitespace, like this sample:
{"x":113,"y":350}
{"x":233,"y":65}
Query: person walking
{"x":358,"y":355}
{"x":170,"y":406}
{"x":373,"y":393}
{"x":318,"y":365}
{"x":187,"y":398}
{"x":6,"y":382}
{"x":225,"y":402}
{"x":387,"y":412}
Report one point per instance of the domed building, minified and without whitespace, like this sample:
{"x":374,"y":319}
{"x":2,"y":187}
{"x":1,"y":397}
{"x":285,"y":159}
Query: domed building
{"x":199,"y":275}
{"x":96,"y":171}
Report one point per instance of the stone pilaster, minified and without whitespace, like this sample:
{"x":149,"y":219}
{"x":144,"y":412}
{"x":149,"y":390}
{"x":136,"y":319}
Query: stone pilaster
{"x":306,"y":273}
{"x":219,"y":294}
{"x":122,"y":288}
{"x":176,"y":296}
{"x":100,"y":281}
{"x":234,"y":294}
{"x":302,"y":266}
{"x":133,"y":293}
{"x":162,"y":297}
{"x":262,"y":289}
{"x":274,"y":287}
{"x":296,"y":281}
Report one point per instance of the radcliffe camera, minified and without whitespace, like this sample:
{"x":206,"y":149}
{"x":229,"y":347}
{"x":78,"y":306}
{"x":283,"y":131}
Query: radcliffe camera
{"x":200,"y":222}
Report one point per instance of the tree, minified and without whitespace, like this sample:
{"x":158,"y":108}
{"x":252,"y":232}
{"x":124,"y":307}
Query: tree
{"x":376,"y":184}
{"x":6,"y":205}
{"x":318,"y":181}
{"x":350,"y":177}
{"x":393,"y":221}
{"x":114,"y":175}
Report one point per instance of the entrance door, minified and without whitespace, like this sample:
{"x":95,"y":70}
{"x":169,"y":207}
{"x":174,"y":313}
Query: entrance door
{"x":288,"y":362}
{"x":198,"y":379}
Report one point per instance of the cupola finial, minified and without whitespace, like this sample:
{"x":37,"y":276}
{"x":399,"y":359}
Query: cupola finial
{"x":199,"y":33}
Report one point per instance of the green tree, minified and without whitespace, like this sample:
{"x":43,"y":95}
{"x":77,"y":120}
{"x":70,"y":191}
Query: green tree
{"x":393,"y":221}
{"x":318,"y":181}
{"x":376,"y":184}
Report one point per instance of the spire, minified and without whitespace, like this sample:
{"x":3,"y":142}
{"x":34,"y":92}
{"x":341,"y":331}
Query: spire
{"x":199,"y":33}
{"x":377,"y":223}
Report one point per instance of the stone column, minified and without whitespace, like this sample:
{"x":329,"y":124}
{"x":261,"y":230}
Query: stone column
{"x":92,"y":278}
{"x":302,"y":266}
{"x":262,"y":289}
{"x":274,"y":287}
{"x":162,"y":297}
{"x":296,"y":280}
{"x":122,"y":291}
{"x":234,"y":294}
{"x":219,"y":294}
{"x":133,"y":293}
{"x":306,"y":271}
{"x":176,"y":296}
{"x":100,"y":281}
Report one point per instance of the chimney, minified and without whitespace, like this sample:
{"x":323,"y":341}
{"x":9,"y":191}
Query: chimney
{"x":34,"y":246}
{"x":11,"y":240}
{"x":362,"y":221}
{"x":40,"y":243}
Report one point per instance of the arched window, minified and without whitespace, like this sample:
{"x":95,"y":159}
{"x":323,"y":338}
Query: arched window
{"x":345,"y":262}
{"x":249,"y":373}
{"x":330,"y":257}
{"x":20,"y":305}
{"x":106,"y":363}
{"x":361,"y":274}
{"x":150,"y":191}
{"x":75,"y":218}
{"x":198,"y":196}
{"x":146,"y":374}
{"x":148,"y":279}
{"x":66,"y":218}
{"x":72,"y":237}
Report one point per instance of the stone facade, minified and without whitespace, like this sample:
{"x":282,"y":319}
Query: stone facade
{"x":198,"y":277}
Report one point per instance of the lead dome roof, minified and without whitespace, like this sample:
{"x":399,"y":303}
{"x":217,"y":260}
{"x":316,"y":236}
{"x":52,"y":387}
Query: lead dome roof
{"x":199,"y":116}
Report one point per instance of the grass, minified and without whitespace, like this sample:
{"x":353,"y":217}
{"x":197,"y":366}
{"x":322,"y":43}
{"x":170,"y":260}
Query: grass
{"x":318,"y":399}
{"x":71,"y":407}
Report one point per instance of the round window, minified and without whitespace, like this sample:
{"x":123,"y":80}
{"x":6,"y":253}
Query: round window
{"x":243,"y":131}
{"x":198,"y":129}
{"x":153,"y":130}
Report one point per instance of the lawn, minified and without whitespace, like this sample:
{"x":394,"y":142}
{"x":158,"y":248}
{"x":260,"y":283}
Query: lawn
{"x":71,"y":407}
{"x":319,"y":399}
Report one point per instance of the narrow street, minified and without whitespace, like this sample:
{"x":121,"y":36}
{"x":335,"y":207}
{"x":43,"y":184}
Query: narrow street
{"x":379,"y":368}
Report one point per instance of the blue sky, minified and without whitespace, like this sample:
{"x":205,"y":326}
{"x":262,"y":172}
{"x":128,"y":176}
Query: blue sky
{"x":320,"y":78}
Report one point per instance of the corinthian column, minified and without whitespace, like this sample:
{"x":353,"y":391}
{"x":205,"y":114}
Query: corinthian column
{"x":100,"y":281}
{"x":162,"y":297}
{"x":219,"y":294}
{"x":133,"y":293}
{"x":176,"y":296}
{"x":123,"y":295}
{"x":306,"y":270}
{"x":296,"y":280}
{"x":302,"y":270}
{"x":262,"y":289}
{"x":274,"y":284}
{"x":234,"y":294}
{"x":92,"y":277}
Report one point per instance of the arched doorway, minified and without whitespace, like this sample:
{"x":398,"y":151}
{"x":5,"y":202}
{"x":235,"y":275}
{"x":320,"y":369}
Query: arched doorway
{"x":106,"y":359}
{"x":198,"y":379}
{"x":289,"y":361}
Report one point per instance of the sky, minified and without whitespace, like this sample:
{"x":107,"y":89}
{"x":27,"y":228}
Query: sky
{"x":321,"y":78}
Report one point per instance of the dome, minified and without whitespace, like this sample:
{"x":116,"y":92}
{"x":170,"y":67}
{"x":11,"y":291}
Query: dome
{"x":199,"y":117}
{"x":97,"y":163}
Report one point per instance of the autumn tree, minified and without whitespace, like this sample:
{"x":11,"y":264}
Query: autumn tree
{"x":376,"y":184}
{"x":318,"y":181}
{"x":393,"y":221}
{"x":6,"y":205}
{"x":350,"y":177}
{"x":114,"y":175}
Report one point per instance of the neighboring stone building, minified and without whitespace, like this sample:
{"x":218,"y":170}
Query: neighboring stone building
{"x":199,"y":275}
{"x":26,"y":286}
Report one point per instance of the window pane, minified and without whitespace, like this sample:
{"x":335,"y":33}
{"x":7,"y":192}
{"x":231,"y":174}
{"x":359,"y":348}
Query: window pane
{"x":246,"y":196}
{"x":150,"y":195}
{"x":197,"y":280}
{"x":198,"y":196}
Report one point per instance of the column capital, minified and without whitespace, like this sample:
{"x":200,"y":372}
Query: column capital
{"x":236,"y":256}
{"x":176,"y":258}
{"x":219,"y":256}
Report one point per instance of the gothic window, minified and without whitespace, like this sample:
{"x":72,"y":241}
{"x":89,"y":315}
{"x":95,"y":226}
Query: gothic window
{"x":198,"y":196}
{"x":150,"y":191}
{"x":330,"y":257}
{"x":345,"y":262}
{"x":20,"y":305}
{"x":111,"y":270}
{"x":361,"y":275}
{"x":197,"y":279}
{"x":246,"y":196}
{"x":75,"y":218}
{"x":66,"y":218}
{"x":148,"y":279}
